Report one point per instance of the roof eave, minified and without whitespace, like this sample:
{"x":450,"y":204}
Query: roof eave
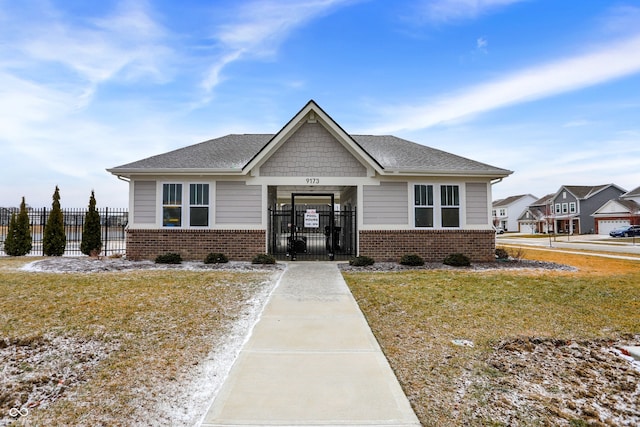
{"x":440,"y":172}
{"x":174,"y":171}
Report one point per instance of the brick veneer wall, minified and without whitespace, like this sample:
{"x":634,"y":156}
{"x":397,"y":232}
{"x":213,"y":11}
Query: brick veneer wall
{"x":194,"y":245}
{"x":431,"y":245}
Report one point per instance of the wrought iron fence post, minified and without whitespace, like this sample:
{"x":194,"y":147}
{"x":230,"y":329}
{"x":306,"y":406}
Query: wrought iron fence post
{"x":106,"y":231}
{"x":43,"y":222}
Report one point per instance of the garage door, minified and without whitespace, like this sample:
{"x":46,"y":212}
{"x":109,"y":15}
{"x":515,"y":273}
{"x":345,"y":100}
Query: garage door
{"x":606,"y":225}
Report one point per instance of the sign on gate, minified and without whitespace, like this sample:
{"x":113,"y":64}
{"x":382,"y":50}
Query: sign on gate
{"x":311,"y":219}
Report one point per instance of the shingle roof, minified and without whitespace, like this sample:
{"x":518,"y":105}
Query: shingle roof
{"x":399,"y":154}
{"x":233,"y":152}
{"x":507,"y":201}
{"x":585,"y":191}
{"x":633,"y":193}
{"x":544,"y":200}
{"x":228,"y":152}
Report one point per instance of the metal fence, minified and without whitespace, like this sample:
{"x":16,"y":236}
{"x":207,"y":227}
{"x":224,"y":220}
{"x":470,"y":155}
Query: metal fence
{"x":113,"y":223}
{"x":312,"y":242}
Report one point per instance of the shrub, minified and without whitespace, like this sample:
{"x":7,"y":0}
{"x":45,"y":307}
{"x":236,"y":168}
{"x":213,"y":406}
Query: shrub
{"x":216,"y":258}
{"x":457,"y":260}
{"x":18,"y":240}
{"x":169,"y":258}
{"x":55,"y":239}
{"x":263,"y":259}
{"x":517,"y":253}
{"x":91,"y":236}
{"x":361,"y":261}
{"x":502,"y":254}
{"x":411,"y":260}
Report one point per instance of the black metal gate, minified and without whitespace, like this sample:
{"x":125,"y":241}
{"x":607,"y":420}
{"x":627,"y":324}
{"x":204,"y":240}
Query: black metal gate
{"x":312,"y":233}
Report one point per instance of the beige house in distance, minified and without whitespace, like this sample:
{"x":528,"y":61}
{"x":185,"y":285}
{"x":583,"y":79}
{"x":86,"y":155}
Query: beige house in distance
{"x":379,"y":196}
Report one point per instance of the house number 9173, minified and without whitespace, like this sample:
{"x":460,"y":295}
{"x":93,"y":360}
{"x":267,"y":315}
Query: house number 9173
{"x":313,"y":180}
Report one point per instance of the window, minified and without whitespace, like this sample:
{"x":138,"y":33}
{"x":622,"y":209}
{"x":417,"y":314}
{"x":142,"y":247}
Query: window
{"x":199,"y":205}
{"x":565,"y":208}
{"x":450,"y":205}
{"x":172,"y":205}
{"x":503,"y":212}
{"x":572,"y":207}
{"x":557,"y":208}
{"x":423,"y":205}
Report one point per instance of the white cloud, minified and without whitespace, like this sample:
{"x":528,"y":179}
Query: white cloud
{"x":260,"y":28}
{"x":607,"y":63}
{"x":443,"y":11}
{"x":127,"y":43}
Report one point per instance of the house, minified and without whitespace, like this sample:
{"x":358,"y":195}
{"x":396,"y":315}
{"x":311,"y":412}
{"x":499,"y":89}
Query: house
{"x":379,"y":196}
{"x":538,"y":216}
{"x":574,"y":206}
{"x":633,"y":195}
{"x":505,"y":212}
{"x":619,"y":212}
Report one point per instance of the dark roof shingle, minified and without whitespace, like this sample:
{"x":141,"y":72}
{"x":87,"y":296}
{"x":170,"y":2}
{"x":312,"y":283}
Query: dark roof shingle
{"x":233,"y":152}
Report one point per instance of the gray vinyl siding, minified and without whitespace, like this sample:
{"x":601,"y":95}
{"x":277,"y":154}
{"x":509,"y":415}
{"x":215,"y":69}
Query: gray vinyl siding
{"x":144,"y":202}
{"x":477,"y":205}
{"x":237,"y":203}
{"x":386,"y":203}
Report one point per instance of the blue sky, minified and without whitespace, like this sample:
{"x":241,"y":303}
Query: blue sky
{"x":549,"y":89}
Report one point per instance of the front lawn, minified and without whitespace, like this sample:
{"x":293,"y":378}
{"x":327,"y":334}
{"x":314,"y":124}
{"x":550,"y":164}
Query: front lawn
{"x":511,"y":347}
{"x":123,"y":348}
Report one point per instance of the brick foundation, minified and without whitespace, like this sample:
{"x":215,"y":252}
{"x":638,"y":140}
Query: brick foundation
{"x":431,"y":245}
{"x":194,"y":245}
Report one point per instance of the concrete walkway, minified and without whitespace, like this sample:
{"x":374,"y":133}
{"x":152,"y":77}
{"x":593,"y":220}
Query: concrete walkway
{"x":311,"y":360}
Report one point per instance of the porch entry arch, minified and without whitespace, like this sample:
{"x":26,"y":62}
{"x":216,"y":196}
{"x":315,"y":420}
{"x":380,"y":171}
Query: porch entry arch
{"x":312,"y":229}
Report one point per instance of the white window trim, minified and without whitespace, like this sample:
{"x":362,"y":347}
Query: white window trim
{"x":189,"y":206}
{"x":162,"y":205}
{"x":431,"y":206}
{"x":186,"y":204}
{"x":437,"y":205}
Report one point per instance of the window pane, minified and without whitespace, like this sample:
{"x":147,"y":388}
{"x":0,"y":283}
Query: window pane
{"x":449,"y":195}
{"x":450,"y":217}
{"x":193,"y":194}
{"x":172,"y":194}
{"x":199,"y":217}
{"x":199,"y":194}
{"x":172,"y":216}
{"x":424,"y":217}
{"x":423,"y":195}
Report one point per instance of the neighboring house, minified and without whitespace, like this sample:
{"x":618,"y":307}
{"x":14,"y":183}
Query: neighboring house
{"x":632,"y":195}
{"x":506,"y":212}
{"x":618,"y":212}
{"x":574,"y":206}
{"x":379,"y":196}
{"x":538,"y":217}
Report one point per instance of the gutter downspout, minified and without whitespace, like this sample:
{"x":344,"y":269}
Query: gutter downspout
{"x":499,"y":180}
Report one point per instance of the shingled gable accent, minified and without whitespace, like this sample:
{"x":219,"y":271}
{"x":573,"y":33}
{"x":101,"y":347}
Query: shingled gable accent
{"x":312,"y":113}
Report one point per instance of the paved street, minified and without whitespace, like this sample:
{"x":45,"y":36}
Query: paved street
{"x":590,"y":242}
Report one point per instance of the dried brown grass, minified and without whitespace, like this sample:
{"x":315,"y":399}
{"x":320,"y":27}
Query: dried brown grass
{"x":416,"y":315}
{"x":158,"y":325}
